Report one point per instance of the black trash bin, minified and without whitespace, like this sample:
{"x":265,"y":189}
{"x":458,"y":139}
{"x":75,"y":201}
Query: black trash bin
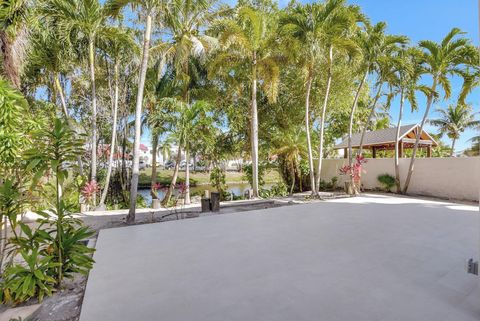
{"x":215,"y":201}
{"x":205,"y":204}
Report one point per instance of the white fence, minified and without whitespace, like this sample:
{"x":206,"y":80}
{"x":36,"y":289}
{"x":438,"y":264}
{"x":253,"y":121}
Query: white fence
{"x":453,"y":178}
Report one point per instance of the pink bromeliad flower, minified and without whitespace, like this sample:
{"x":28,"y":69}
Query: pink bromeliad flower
{"x":181,"y":187}
{"x":89,"y":190}
{"x":157,"y":186}
{"x":354,"y":171}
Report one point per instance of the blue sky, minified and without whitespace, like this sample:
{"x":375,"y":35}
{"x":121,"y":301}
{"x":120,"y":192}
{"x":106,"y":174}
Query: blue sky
{"x":428,"y":19}
{"x":421,"y":19}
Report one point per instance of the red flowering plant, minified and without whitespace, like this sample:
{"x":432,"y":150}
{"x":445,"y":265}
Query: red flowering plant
{"x":89,"y":190}
{"x":182,"y":187}
{"x":158,"y":187}
{"x":354,"y":171}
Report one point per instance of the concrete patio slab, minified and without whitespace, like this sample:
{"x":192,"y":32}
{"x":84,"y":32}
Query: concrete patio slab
{"x":362,"y":259}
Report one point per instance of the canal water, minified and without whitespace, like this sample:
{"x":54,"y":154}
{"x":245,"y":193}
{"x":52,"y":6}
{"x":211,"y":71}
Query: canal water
{"x":237,"y":190}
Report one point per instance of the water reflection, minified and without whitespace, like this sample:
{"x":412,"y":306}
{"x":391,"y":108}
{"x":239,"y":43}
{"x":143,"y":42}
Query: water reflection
{"x":236,"y":189}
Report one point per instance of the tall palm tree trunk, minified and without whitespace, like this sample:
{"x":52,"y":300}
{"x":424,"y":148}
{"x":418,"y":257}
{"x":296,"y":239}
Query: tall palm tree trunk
{"x":293,"y":179}
{"x":124,"y":173}
{"x":67,"y":117}
{"x":62,"y":96}
{"x":369,"y":119}
{"x":452,"y":152}
{"x":254,"y":128}
{"x":91,"y":59}
{"x":138,"y":114}
{"x":9,"y":64}
{"x":417,"y":140}
{"x":322,"y":120}
{"x":154,"y":166}
{"x":3,"y":240}
{"x":114,"y":135}
{"x":187,"y":177}
{"x":307,"y":128}
{"x":169,"y":194}
{"x":350,"y":126}
{"x":397,"y":141}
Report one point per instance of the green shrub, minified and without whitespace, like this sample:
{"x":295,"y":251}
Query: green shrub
{"x":217,"y":179}
{"x":248,"y":170}
{"x":28,"y":279}
{"x":334,"y":182}
{"x":279,"y":189}
{"x":328,"y":186}
{"x":387,"y":181}
{"x":264,"y":193}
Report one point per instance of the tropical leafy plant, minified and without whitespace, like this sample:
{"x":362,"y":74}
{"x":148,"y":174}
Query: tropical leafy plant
{"x":248,"y":174}
{"x":30,"y":279}
{"x":387,"y":181}
{"x":455,"y":120}
{"x":55,"y":151}
{"x":442,"y":59}
{"x":247,"y":40}
{"x":217,"y":179}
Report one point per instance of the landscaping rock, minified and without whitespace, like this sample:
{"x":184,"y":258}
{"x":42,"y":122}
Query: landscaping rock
{"x":20,"y":313}
{"x":60,"y":307}
{"x":64,"y":305}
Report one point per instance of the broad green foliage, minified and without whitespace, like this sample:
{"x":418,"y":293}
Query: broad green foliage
{"x":12,"y":121}
{"x":387,"y":181}
{"x":31,"y":279}
{"x":54,"y":249}
{"x":249,"y":172}
{"x":454,"y":121}
{"x":277,"y":190}
{"x":217,"y":179}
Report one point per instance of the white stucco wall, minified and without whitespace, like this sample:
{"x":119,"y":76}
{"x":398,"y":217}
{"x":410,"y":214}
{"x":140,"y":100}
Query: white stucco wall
{"x":454,"y":178}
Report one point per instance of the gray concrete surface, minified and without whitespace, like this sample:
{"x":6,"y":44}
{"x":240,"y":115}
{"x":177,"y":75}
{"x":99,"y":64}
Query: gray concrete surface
{"x":361,"y":259}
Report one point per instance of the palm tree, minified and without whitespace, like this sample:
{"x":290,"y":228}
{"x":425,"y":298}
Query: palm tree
{"x":158,"y":122}
{"x":165,"y":148}
{"x":475,"y":149}
{"x":338,"y":23}
{"x":49,"y":61}
{"x":188,"y":47}
{"x":471,"y":80}
{"x":442,"y":59}
{"x":306,"y":25}
{"x":454,"y":121}
{"x":188,"y":118}
{"x":15,"y":21}
{"x":150,"y":9}
{"x":370,"y":40}
{"x":248,"y":41}
{"x":82,"y":22}
{"x":387,"y":46}
{"x":138,"y":113}
{"x":156,"y":118}
{"x":290,"y":148}
{"x":120,"y":47}
{"x":403,"y":79}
